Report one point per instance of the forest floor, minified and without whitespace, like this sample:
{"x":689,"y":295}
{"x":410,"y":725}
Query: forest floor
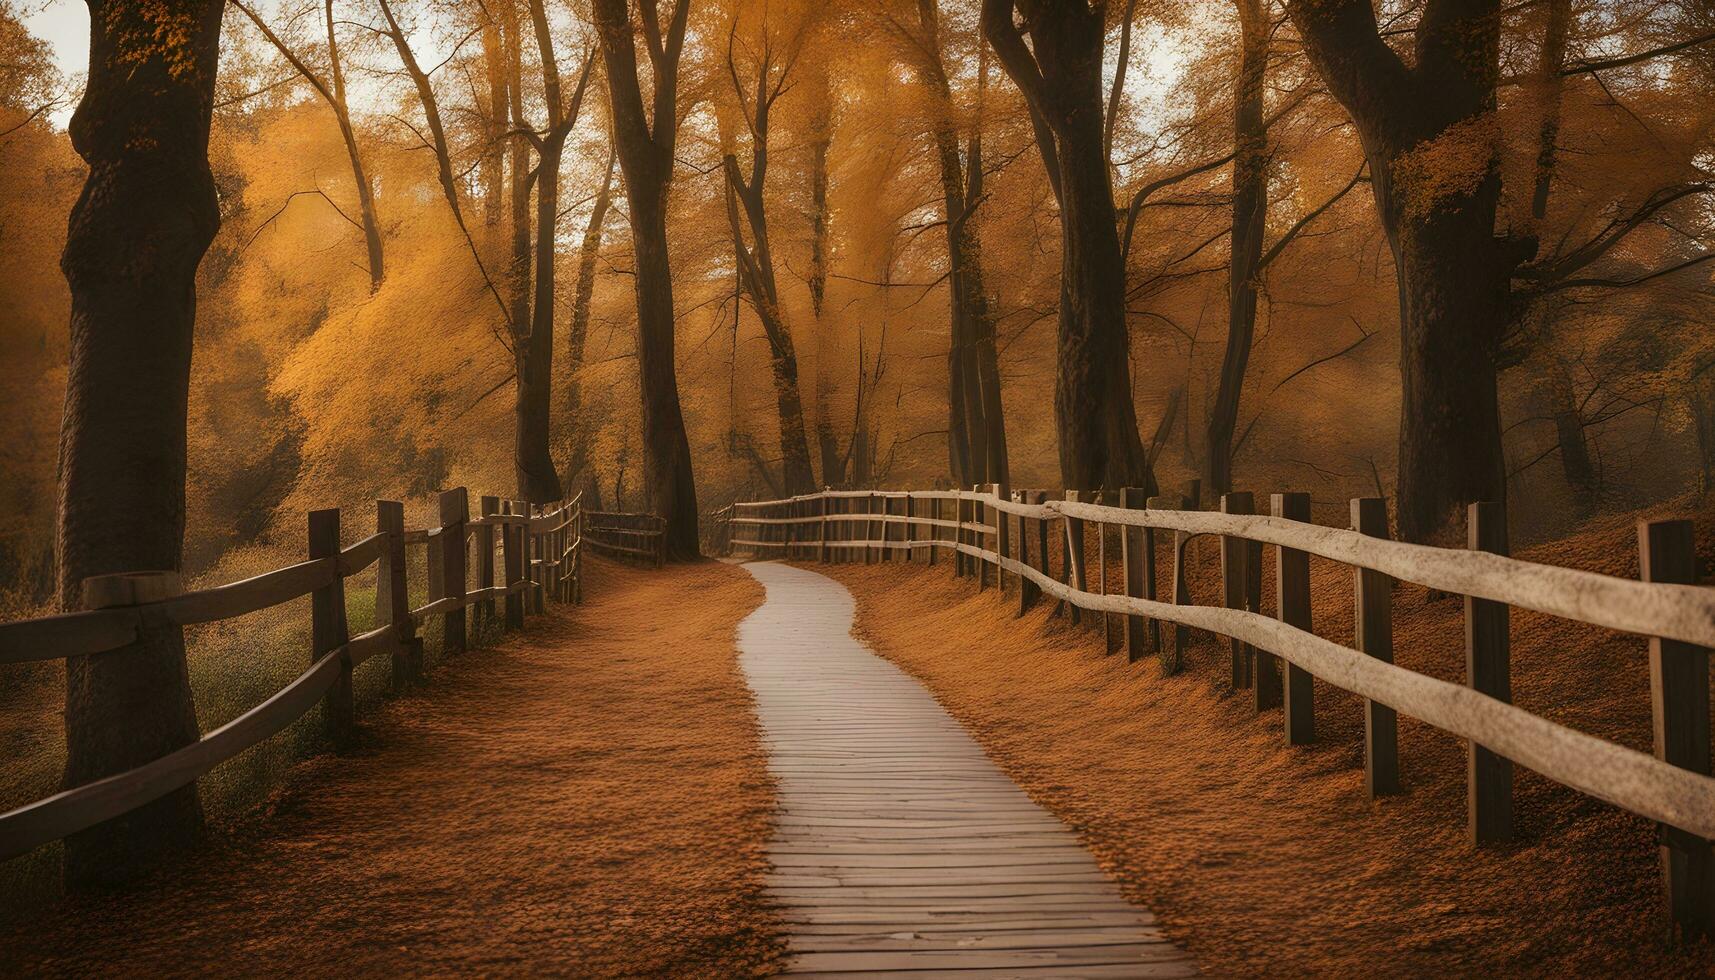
{"x":1263,"y":859}
{"x":589,"y":797}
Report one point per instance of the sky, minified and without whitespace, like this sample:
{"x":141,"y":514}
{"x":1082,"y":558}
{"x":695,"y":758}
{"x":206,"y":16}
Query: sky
{"x":64,"y":24}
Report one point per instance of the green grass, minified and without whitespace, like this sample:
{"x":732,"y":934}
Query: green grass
{"x":234,"y":665}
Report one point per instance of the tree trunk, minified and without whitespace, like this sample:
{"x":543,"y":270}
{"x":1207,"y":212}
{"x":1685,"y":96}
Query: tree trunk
{"x":1099,"y":441}
{"x":827,"y":443}
{"x":1453,"y":310}
{"x":493,"y":166}
{"x":147,"y":213}
{"x":1438,"y":210}
{"x":537,"y":480}
{"x":365,"y":193}
{"x":1060,"y":74}
{"x":579,"y":473}
{"x":645,"y":139}
{"x":518,"y":272}
{"x":667,"y":475}
{"x":976,"y":425}
{"x":1250,"y":213}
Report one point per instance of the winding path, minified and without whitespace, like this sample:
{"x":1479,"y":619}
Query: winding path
{"x":899,"y":847}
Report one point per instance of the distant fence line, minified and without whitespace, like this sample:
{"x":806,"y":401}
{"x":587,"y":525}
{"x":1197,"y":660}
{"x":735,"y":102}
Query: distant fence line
{"x":1007,"y":534}
{"x":520,"y":556}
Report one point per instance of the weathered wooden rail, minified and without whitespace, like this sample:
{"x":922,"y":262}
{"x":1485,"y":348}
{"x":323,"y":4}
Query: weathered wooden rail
{"x":639,"y":537}
{"x":519,"y":557}
{"x":991,"y":533}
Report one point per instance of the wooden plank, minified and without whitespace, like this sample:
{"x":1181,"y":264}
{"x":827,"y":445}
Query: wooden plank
{"x":72,"y":810}
{"x":1488,"y":777}
{"x":1292,"y":600}
{"x":1373,"y":628}
{"x":328,"y":632}
{"x":1234,"y":559}
{"x":1679,"y":702}
{"x":893,"y":827}
{"x":392,"y":596}
{"x":1133,"y":554}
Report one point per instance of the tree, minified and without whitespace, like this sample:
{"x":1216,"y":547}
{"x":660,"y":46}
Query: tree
{"x":755,"y":260}
{"x":976,"y":424}
{"x":821,"y":139}
{"x":644,"y":139}
{"x":147,"y":213}
{"x":1426,"y":129}
{"x":1060,"y":76}
{"x":1250,"y":222}
{"x":533,"y":339}
{"x":579,"y":474}
{"x":332,"y":91}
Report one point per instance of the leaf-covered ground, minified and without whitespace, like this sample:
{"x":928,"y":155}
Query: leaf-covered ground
{"x":589,"y":798}
{"x":1263,"y":859}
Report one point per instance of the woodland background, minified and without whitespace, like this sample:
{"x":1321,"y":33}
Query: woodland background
{"x":337,"y":363}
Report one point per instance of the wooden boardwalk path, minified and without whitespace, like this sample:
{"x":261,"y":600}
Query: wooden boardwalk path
{"x":899,"y":847}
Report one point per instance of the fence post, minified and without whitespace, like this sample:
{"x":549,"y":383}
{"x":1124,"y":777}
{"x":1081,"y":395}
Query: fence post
{"x":1679,"y":704}
{"x":455,"y":511}
{"x":488,"y":507}
{"x":1373,"y":626}
{"x":1075,"y":571}
{"x":578,"y":555}
{"x":1488,"y":777}
{"x":538,"y":561}
{"x":958,"y":533}
{"x":1113,"y":625}
{"x":512,"y":553}
{"x":1132,"y":554}
{"x":660,"y":542}
{"x":392,"y":595}
{"x":1040,"y":497}
{"x":1002,"y":533}
{"x":1172,"y":656}
{"x":984,"y":535}
{"x":822,"y":526}
{"x":1028,"y":592}
{"x":1234,"y":575}
{"x":1292,"y":600}
{"x":328,"y":632}
{"x":909,"y":532}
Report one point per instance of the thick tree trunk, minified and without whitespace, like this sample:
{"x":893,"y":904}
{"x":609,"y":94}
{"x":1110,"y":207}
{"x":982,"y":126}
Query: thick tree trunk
{"x":1060,"y":74}
{"x":644,"y":139}
{"x":1099,"y":442}
{"x":1454,"y":292}
{"x":1250,"y":213}
{"x":537,"y":481}
{"x":1438,"y":210}
{"x":671,"y":488}
{"x":147,"y":213}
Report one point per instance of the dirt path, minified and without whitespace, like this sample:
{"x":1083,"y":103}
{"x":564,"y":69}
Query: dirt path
{"x":900,"y":849}
{"x":587,"y":799}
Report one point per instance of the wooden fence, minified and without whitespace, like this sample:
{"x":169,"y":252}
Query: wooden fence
{"x":639,"y":537}
{"x":519,"y":555}
{"x":994,"y":536}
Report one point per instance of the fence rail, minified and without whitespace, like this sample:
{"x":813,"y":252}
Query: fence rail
{"x":633,"y":536}
{"x":1006,"y":536}
{"x":519,"y":556}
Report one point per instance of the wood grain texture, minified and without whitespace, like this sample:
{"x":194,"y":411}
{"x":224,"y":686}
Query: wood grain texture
{"x":899,"y":847}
